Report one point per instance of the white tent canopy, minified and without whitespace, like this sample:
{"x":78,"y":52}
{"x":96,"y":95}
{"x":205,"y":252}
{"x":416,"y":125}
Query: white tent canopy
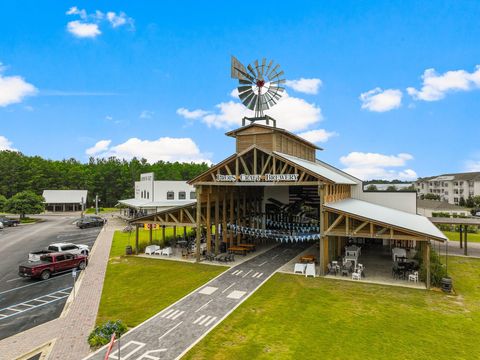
{"x":65,"y":196}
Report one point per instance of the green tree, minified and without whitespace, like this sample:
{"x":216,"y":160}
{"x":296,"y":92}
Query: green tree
{"x":462,"y":202}
{"x":408,"y":188}
{"x":25,"y":202}
{"x":431,"y":196}
{"x":391,"y":188}
{"x":469,"y":202}
{"x":3,"y":201}
{"x":371,"y":187}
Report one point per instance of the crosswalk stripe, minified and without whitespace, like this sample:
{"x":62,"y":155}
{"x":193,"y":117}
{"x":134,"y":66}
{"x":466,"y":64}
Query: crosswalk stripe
{"x":259,"y":275}
{"x":172,"y":314}
{"x":178,"y":315}
{"x":210,"y":321}
{"x":198,"y":319}
{"x":249,"y":271}
{"x":205,"y":320}
{"x":235,"y":272}
{"x":168,"y":313}
{"x":255,"y":275}
{"x":239,"y":272}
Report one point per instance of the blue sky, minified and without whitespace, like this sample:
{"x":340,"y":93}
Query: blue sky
{"x":153,"y":79}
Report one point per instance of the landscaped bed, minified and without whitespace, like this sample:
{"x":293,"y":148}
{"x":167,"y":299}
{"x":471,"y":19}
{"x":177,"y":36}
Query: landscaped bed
{"x":293,"y":317}
{"x":138,"y":288}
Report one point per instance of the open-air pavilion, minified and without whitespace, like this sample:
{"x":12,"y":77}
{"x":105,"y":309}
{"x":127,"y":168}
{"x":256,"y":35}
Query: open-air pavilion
{"x":274,"y":190}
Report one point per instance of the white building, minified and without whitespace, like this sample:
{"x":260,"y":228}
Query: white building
{"x":428,"y":207}
{"x":450,"y":187}
{"x":152,"y":196}
{"x":64,"y":200}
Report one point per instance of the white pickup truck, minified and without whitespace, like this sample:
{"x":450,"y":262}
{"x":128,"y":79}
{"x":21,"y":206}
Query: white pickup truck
{"x":60,"y":247}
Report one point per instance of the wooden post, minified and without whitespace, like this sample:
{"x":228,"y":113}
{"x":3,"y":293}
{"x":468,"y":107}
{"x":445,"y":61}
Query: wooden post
{"x":322,"y":246}
{"x":231,"y":217}
{"x":150,"y":233}
{"x":174,"y":234}
{"x":224,"y":217}
{"x":217,"y":215}
{"x":465,"y":242}
{"x":209,"y":222}
{"x":136,"y":239}
{"x":460,"y":235}
{"x":199,"y":223}
{"x":184,"y":233}
{"x":163,"y":234}
{"x":427,"y":263}
{"x":239,"y":223}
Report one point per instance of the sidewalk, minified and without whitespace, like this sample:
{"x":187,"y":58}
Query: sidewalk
{"x":71,"y":330}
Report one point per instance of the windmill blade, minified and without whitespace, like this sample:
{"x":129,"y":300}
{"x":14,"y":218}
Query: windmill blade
{"x":278,"y":82}
{"x":247,"y":98}
{"x":242,"y":89}
{"x":245,"y":95}
{"x":263,"y":66}
{"x":245,"y":75}
{"x":252,"y":71}
{"x":276,"y":89}
{"x":268,"y":68}
{"x":237,"y":68}
{"x":273,"y":71}
{"x":274,"y":94}
{"x":271,"y":101}
{"x":246,"y":82}
{"x":253,"y":101}
{"x":276,"y":75}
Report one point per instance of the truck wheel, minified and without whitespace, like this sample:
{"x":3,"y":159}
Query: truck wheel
{"x":82,"y":265}
{"x":45,"y":275}
{"x":84,"y":252}
{"x":15,"y":224}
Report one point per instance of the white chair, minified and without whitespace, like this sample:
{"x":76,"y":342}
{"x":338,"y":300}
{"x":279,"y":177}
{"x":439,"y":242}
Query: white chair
{"x":357,"y":275}
{"x":299,"y":268}
{"x":167,"y":251}
{"x":413,"y":277}
{"x":310,"y":270}
{"x":150,"y":250}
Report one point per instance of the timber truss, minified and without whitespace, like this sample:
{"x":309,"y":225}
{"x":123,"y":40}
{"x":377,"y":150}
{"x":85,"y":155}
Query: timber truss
{"x":254,"y":166}
{"x":179,"y":216}
{"x":347,"y":225}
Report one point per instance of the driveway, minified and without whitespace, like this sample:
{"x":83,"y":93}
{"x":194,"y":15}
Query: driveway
{"x":171,"y":333}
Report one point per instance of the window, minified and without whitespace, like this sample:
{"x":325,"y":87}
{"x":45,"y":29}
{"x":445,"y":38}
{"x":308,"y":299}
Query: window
{"x":69,"y":256}
{"x":170,"y":195}
{"x":455,"y":199}
{"x":182,"y":195}
{"x":148,"y":195}
{"x":60,"y":257}
{"x":193,"y":195}
{"x":461,"y":183}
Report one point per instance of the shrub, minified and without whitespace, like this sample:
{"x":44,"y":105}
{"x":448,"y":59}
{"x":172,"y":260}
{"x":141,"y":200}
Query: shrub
{"x":102,"y":334}
{"x":437,"y":269}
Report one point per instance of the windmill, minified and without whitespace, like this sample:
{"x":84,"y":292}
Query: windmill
{"x":259,"y":84}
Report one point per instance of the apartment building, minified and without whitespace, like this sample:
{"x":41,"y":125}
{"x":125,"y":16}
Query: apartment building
{"x":450,"y":187}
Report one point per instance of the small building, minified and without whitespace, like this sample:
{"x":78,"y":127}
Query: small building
{"x":65,"y":200}
{"x":429,"y":207}
{"x":152,"y":196}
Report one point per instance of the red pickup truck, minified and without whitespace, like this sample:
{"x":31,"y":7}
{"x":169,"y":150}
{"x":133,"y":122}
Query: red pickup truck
{"x":52,"y":263}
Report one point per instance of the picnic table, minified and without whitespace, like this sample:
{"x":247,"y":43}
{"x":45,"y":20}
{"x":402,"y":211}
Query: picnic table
{"x":238,"y":250}
{"x":307,"y":259}
{"x":250,"y":247}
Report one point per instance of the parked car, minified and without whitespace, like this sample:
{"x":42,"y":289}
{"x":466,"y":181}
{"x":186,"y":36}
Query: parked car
{"x":1,"y":225}
{"x":8,"y":222}
{"x":60,"y":247}
{"x":51,"y":264}
{"x":87,"y":222}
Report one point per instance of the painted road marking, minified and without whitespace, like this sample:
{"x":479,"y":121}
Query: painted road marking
{"x":241,"y":271}
{"x":257,"y":275}
{"x":178,"y":315}
{"x":170,"y":316}
{"x":273,"y":258}
{"x":249,"y":271}
{"x":139,"y":345}
{"x":213,"y":319}
{"x":198,"y":319}
{"x":35,"y":283}
{"x":167,"y":313}
{"x":263,"y":263}
{"x":236,"y":294}
{"x":229,"y":286}
{"x":254,"y":275}
{"x":207,"y":320}
{"x":204,"y":305}
{"x":208,"y":290}
{"x":19,"y":278}
{"x":13,"y":309}
{"x":235,"y":272}
{"x":169,"y":331}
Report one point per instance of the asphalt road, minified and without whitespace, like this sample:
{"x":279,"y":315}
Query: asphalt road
{"x":171,"y":332}
{"x":25,"y":303}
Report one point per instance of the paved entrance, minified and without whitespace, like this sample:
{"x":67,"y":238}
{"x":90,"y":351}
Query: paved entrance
{"x":170,"y":333}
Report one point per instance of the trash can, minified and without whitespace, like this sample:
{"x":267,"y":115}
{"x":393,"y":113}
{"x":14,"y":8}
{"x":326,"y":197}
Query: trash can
{"x":447,"y":284}
{"x":128,"y":250}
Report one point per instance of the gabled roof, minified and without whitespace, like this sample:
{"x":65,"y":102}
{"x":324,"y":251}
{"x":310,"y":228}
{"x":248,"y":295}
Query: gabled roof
{"x":318,"y":168}
{"x":234,"y":133}
{"x":439,"y":205}
{"x":472,"y":176}
{"x":381,"y":214}
{"x":142,"y":203}
{"x":65,"y":196}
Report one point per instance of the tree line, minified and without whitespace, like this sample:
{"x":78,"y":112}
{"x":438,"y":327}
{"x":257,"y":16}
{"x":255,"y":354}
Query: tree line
{"x":111,"y":179}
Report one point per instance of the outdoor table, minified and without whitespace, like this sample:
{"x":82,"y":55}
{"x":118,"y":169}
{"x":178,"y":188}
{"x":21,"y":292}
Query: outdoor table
{"x":237,"y":250}
{"x":250,"y":247}
{"x":307,"y":259}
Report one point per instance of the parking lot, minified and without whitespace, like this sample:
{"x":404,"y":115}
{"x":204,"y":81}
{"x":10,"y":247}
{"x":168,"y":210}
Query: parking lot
{"x":25,"y":303}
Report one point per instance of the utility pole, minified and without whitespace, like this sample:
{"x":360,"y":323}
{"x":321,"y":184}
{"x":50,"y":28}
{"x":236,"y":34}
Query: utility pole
{"x":83,"y":208}
{"x":96,"y":204}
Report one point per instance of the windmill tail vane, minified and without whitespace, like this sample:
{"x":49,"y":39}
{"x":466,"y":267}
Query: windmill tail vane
{"x":259,"y":84}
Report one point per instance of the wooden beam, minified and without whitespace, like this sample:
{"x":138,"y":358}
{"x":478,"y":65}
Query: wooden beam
{"x":360,"y":227}
{"x":266,"y":164}
{"x":245,"y":167}
{"x":190,"y":217}
{"x":209,"y":223}
{"x":216,"y":217}
{"x":231,"y":217}
{"x":199,"y":223}
{"x":254,"y":171}
{"x":136,"y":239}
{"x":229,"y":172}
{"x":335,"y":223}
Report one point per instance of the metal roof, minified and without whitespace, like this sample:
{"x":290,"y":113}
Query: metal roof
{"x":141,"y":203}
{"x":401,"y":219}
{"x":65,"y":196}
{"x":319,"y":169}
{"x":439,"y":205}
{"x":455,"y":221}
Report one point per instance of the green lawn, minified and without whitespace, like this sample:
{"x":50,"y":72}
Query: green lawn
{"x":292,"y":317}
{"x":101,"y":210}
{"x":454,"y":236}
{"x":137,"y":288}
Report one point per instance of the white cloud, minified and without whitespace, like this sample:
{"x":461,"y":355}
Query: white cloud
{"x":6,"y":144}
{"x":291,"y":113}
{"x":83,"y":30}
{"x":379,"y":100}
{"x":472,"y":165}
{"x":194,"y":114}
{"x":13,"y":89}
{"x":89,"y":24}
{"x":306,"y":86}
{"x":378,"y":166}
{"x":146,"y":114}
{"x":316,"y":136}
{"x":99,"y":147}
{"x":435,"y":86}
{"x":164,"y":148}
{"x":120,"y":19}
